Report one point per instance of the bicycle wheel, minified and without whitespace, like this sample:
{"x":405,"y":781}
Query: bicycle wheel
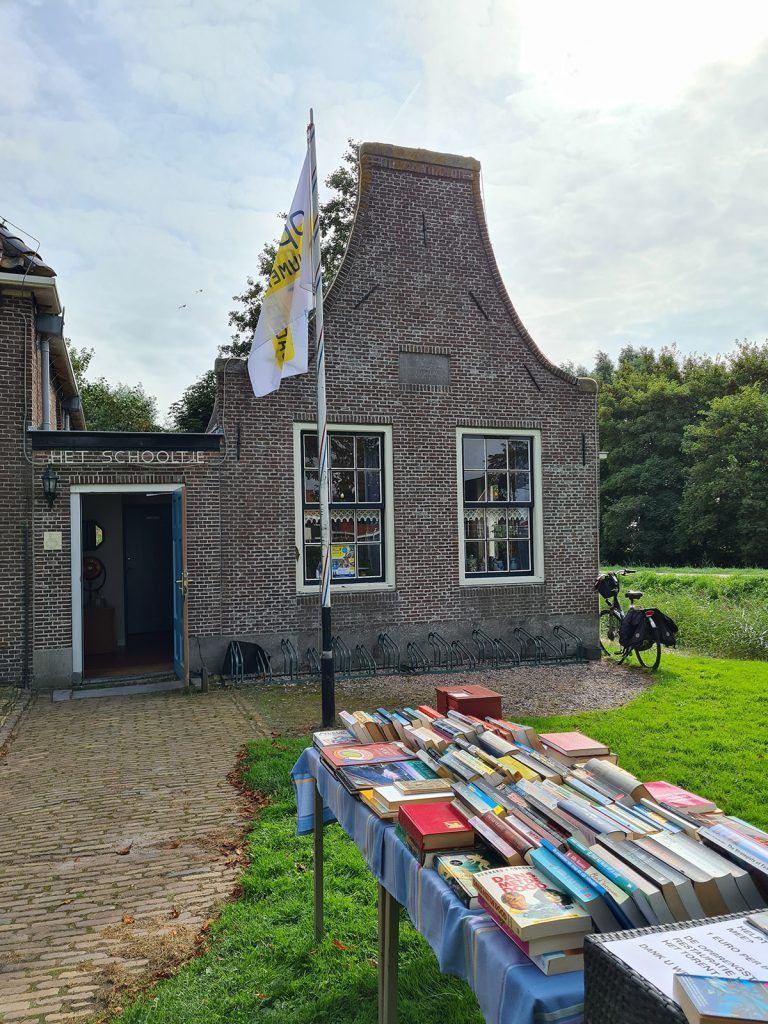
{"x":610,"y":621}
{"x":650,"y":658}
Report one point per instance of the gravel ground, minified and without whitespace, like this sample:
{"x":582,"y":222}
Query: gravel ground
{"x":527,"y":692}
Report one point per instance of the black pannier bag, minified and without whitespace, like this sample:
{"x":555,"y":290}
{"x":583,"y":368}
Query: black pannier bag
{"x":606,"y":585}
{"x":636,"y":630}
{"x":666,"y":628}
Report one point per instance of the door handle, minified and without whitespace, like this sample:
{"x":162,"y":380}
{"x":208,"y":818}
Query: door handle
{"x":183,"y":583}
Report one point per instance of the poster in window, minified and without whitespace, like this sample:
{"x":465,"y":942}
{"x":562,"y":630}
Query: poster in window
{"x":343,"y":561}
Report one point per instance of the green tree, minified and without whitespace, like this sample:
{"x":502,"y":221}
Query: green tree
{"x":726,"y":488}
{"x":111,"y":406}
{"x":336,"y":217}
{"x":193,"y":410}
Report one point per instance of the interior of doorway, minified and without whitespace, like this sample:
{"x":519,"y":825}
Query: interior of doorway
{"x":127,"y":589}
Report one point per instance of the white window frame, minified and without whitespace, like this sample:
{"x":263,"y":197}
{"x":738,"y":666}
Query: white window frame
{"x":537,"y":518}
{"x":388,"y":583}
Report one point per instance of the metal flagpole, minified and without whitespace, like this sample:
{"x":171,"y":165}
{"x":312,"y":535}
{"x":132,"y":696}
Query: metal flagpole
{"x":326,"y":661}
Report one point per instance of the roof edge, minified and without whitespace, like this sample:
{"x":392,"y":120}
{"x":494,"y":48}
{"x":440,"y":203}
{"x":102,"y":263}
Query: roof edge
{"x":421,"y":156}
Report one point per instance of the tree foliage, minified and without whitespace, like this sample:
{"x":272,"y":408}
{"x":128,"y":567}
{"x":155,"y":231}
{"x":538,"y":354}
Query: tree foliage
{"x":193,"y":410}
{"x":674,"y":428}
{"x":111,"y":406}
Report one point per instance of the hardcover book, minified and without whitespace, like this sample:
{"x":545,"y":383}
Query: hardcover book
{"x":345,"y":755}
{"x":332,"y":738}
{"x":679,"y":799}
{"x":721,"y":1000}
{"x":459,"y":868}
{"x":436,"y":826}
{"x":573,"y":744}
{"x":530,"y":905}
{"x":368,"y":776}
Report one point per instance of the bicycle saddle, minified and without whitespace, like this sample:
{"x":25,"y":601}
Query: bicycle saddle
{"x":634,"y":595}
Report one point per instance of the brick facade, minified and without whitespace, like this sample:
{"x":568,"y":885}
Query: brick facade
{"x":422,"y":339}
{"x":419,"y":276}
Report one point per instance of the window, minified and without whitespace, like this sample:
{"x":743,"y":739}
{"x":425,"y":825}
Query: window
{"x":499,"y":520}
{"x":358,"y":527}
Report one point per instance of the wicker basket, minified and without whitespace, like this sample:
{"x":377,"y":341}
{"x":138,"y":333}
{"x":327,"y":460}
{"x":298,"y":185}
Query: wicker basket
{"x":615,"y":994}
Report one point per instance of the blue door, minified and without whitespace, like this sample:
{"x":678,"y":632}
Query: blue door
{"x":178,"y":525}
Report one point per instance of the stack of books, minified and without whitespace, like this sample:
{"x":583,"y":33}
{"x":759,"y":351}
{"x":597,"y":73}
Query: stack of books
{"x":490,"y":798}
{"x":541,"y":919}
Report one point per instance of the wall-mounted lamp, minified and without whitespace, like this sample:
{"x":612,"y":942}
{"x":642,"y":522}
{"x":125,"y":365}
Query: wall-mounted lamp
{"x":50,"y":480}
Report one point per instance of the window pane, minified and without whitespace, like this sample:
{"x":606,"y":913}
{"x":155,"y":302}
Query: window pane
{"x":474,"y":485}
{"x":497,"y":524}
{"x":475,"y":556}
{"x":519,"y":522}
{"x":518,"y":455}
{"x":474,"y":452}
{"x":343,"y":485}
{"x":342,"y":451}
{"x":519,"y":556}
{"x":369,"y":525}
{"x":368,"y":454}
{"x":310,"y":451}
{"x":311,"y":488}
{"x":520,"y":486}
{"x":343,"y":561}
{"x":368,"y":560}
{"x":497,"y":556}
{"x":496,"y":452}
{"x":497,"y":487}
{"x":312,"y":559}
{"x":368,"y":485}
{"x":474,"y":523}
{"x":342,"y":528}
{"x":312,"y":528}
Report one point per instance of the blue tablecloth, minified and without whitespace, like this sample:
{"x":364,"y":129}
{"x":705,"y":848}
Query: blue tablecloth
{"x":509,"y":988}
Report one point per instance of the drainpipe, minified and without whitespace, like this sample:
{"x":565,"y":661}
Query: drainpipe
{"x":45,"y":380}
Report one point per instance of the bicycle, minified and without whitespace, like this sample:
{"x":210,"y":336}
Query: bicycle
{"x":611,"y":618}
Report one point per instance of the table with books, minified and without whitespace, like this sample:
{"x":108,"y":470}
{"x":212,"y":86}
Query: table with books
{"x":508,"y":849}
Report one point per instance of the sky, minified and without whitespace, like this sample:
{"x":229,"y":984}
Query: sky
{"x":148,"y":146}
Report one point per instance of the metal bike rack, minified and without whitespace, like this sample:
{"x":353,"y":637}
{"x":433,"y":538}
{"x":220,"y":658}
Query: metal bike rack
{"x":487,"y":648}
{"x":461,"y":656}
{"x":530,"y":647}
{"x":441,"y":652}
{"x":507,"y":655}
{"x":564,"y":635}
{"x":390,"y":653}
{"x":313,"y":661}
{"x":418,"y":661}
{"x":290,"y":659}
{"x":342,"y":658}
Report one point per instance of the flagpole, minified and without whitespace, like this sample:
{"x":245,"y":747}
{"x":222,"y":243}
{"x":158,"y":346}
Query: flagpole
{"x":327,"y":683}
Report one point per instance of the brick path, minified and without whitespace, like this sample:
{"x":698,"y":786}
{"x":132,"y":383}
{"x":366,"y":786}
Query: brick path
{"x":117,"y":837}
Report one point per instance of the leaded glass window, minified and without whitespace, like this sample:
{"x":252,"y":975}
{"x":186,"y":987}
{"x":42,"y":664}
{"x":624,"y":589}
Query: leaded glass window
{"x":497,"y":505}
{"x":357,"y":507}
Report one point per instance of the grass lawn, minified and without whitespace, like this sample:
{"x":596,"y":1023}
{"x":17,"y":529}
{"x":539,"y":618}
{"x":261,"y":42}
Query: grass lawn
{"x":702,"y":725}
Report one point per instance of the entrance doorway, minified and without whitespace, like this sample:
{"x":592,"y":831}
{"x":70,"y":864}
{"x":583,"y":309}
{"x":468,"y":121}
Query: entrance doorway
{"x":131,"y":585}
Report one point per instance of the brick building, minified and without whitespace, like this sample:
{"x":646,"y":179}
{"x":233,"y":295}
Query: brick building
{"x":464,"y":465}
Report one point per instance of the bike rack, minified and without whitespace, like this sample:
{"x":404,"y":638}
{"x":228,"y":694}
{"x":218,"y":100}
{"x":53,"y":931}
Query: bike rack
{"x":390,"y":653}
{"x":563,"y":635}
{"x":313,"y":661}
{"x":487,"y":648}
{"x":463,"y":658}
{"x":530,"y":647}
{"x":263,"y":666}
{"x":366,"y":666}
{"x":507,"y":655}
{"x":290,"y":659}
{"x":441,"y":652}
{"x":418,"y":661}
{"x":342,"y":658}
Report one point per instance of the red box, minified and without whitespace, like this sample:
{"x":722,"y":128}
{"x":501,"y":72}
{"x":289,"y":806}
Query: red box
{"x":469,"y":700}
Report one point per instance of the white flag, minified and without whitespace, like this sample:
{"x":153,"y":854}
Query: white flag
{"x":279,"y":346}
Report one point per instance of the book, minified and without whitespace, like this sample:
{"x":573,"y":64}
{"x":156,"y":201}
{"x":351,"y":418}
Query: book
{"x":458,"y":868}
{"x":344,"y":755}
{"x":356,"y":728}
{"x":529,"y":904}
{"x":679,"y":799}
{"x":588,"y":895}
{"x":372,"y":727}
{"x":614,"y":781}
{"x":516,"y":834}
{"x":706,"y":1000}
{"x":436,"y":826}
{"x":627,"y":909}
{"x":676,"y":887}
{"x":759,"y":921}
{"x":332,"y":738}
{"x":387,"y":800}
{"x":369,"y":776}
{"x":742,"y":857}
{"x":473,"y":800}
{"x":427,"y":785}
{"x":494,"y":842}
{"x":704,"y":883}
{"x":726,"y":874}
{"x":573,"y":744}
{"x":549,"y":963}
{"x":648,"y":897}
